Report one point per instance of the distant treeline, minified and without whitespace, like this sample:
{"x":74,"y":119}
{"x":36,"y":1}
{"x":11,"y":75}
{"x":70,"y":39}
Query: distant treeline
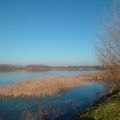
{"x":5,"y":67}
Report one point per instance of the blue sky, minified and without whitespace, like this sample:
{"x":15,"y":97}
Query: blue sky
{"x":52,"y":32}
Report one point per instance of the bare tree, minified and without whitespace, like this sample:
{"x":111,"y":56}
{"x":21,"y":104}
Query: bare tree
{"x":109,"y":50}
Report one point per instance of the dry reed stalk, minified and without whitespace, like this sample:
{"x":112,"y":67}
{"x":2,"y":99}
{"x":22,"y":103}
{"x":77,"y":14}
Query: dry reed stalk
{"x":41,"y":88}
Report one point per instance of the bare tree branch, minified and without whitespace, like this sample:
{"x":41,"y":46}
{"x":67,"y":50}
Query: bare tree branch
{"x":109,"y":51}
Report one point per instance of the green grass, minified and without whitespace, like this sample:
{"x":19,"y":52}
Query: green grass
{"x":108,"y":109}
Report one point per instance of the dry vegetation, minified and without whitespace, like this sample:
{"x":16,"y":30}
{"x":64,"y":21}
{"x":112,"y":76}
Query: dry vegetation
{"x":46,"y":87}
{"x":109,"y":51}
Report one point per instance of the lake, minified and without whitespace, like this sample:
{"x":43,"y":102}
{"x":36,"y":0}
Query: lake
{"x":7,"y":78}
{"x":59,"y":107}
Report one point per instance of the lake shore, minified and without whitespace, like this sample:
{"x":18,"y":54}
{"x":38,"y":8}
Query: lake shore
{"x":106,"y":109}
{"x":48,"y":87}
{"x":36,"y":68}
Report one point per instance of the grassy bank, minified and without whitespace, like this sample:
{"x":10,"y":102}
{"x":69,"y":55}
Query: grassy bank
{"x":46,"y":87}
{"x":108,"y":109}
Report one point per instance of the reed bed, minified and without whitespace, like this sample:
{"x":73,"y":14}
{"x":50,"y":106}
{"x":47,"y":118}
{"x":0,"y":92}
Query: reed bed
{"x":46,"y":87}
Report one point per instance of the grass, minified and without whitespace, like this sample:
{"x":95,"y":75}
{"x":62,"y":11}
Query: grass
{"x":47,"y":87}
{"x":108,"y":109}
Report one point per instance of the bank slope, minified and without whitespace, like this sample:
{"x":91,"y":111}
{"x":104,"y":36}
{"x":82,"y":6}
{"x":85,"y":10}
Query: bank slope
{"x":108,"y":109}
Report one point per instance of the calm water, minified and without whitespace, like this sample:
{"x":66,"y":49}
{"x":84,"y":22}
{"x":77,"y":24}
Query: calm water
{"x":61,"y":107}
{"x":7,"y":78}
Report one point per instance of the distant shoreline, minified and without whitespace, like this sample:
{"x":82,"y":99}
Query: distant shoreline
{"x":7,"y":68}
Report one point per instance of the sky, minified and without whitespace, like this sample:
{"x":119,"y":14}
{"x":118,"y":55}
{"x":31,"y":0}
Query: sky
{"x":51,"y":32}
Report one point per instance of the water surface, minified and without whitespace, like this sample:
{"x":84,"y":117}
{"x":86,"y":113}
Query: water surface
{"x":7,"y":78}
{"x":61,"y":107}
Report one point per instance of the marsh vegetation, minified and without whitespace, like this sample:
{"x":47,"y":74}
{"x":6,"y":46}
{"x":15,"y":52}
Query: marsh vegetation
{"x":47,"y":87}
